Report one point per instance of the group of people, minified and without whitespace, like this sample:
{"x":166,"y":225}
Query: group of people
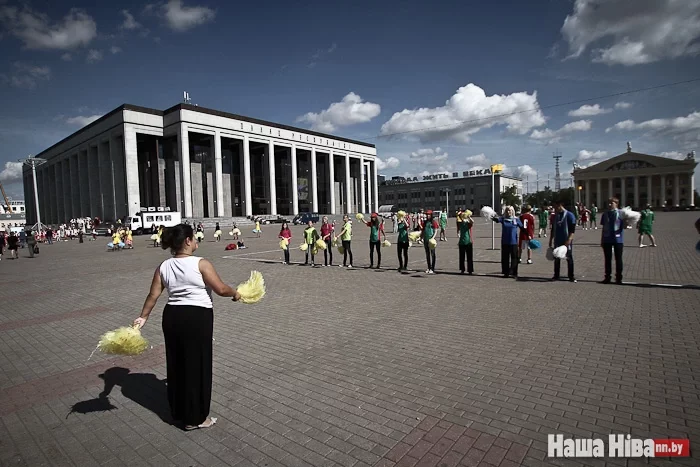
{"x":13,"y":242}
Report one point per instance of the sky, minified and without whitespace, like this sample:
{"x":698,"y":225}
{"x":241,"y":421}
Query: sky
{"x":439,"y":87}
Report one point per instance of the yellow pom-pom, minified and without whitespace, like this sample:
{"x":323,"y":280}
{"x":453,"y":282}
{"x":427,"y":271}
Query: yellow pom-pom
{"x":321,"y":244}
{"x":154,"y":237}
{"x":314,"y":250}
{"x":284,"y":243}
{"x":414,"y":236}
{"x":230,"y":233}
{"x":304,"y":247}
{"x":359,"y":216}
{"x":386,"y":243}
{"x":236,"y":232}
{"x":433,"y":243}
{"x":341,"y":250}
{"x":252,"y":290}
{"x":199,"y":235}
{"x":217,"y":233}
{"x":123,"y":341}
{"x":400,"y":215}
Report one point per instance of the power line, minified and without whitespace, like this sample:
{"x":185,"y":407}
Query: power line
{"x":550,"y":106}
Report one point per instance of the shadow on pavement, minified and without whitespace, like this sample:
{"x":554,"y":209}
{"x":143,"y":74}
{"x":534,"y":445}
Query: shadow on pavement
{"x":143,"y":388}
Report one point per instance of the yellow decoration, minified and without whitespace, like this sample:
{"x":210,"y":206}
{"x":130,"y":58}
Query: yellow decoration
{"x":236,"y":232}
{"x":314,"y":250}
{"x":199,"y":235}
{"x":359,"y":216}
{"x":386,"y":243}
{"x":341,"y":250}
{"x":284,"y":243}
{"x":217,"y":233}
{"x":400,"y":215}
{"x":433,"y":243}
{"x":321,"y":244}
{"x":230,"y":233}
{"x":414,"y":236}
{"x":304,"y":247}
{"x":252,"y":290}
{"x":154,"y":237}
{"x":123,"y":341}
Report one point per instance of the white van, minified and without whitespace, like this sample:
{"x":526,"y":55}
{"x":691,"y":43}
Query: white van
{"x":144,"y":221}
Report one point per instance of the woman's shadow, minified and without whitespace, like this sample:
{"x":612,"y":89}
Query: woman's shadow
{"x":143,"y":388}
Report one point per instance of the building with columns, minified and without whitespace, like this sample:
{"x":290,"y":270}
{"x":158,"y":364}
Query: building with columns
{"x":203,"y":163}
{"x":639,"y":179}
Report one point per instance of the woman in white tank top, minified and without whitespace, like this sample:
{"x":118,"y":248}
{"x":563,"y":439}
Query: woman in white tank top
{"x":188,"y":325}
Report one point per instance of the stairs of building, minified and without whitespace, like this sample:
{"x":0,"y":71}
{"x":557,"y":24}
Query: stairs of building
{"x":210,"y":222}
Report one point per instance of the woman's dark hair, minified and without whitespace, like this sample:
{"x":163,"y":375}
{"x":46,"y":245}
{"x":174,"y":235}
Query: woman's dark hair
{"x":283,"y":228}
{"x":174,"y":237}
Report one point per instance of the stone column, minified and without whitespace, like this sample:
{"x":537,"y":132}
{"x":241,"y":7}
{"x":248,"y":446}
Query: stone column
{"x":623,"y":190}
{"x":314,"y":181}
{"x":348,"y":201}
{"x":331,"y":175}
{"x":636,"y":192}
{"x":610,"y":189}
{"x":676,"y":190}
{"x":247,"y":176}
{"x":363,"y":204}
{"x":375,"y":190}
{"x":218,"y":176}
{"x":295,"y":186}
{"x":183,"y":152}
{"x":131,"y":163}
{"x":650,"y":193}
{"x":587,"y":194}
{"x":692,"y":188}
{"x":598,"y":194}
{"x":663,"y":191}
{"x":370,"y":203}
{"x":271,"y":169}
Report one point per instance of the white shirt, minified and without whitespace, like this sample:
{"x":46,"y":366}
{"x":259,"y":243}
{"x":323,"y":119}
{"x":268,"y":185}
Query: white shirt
{"x":184,"y":281}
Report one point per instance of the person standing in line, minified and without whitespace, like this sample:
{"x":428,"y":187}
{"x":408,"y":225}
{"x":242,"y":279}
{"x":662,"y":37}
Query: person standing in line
{"x":376,"y":226}
{"x":327,"y":236}
{"x":310,"y":237}
{"x":430,"y":229}
{"x":593,"y":216}
{"x":466,"y":246}
{"x":188,"y":325}
{"x":562,"y":234}
{"x":645,"y":226}
{"x":286,"y":234}
{"x":612,"y":240}
{"x":31,"y":243}
{"x":346,"y":239}
{"x":443,"y":225}
{"x":402,"y":242}
{"x":509,"y":241}
{"x":527,"y":233}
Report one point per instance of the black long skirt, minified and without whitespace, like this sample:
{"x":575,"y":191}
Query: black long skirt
{"x":188,"y":334}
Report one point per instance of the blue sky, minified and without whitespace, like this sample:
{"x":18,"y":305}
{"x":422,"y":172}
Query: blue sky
{"x":383,"y":72}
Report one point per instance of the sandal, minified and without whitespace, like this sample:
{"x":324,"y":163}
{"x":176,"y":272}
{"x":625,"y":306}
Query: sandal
{"x":211,"y":422}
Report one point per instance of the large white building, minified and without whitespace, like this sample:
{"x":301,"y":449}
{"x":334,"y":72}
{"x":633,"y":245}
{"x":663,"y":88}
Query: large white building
{"x":203,"y":163}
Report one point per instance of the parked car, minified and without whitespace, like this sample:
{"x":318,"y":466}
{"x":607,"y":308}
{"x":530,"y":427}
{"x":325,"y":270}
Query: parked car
{"x":304,"y":217}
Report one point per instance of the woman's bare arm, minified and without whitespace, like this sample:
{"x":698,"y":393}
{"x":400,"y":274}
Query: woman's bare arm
{"x":212,"y":279}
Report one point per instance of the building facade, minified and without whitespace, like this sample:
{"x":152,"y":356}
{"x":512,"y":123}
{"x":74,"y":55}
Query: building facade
{"x":469,"y":190}
{"x":639,"y":179}
{"x":203,"y":163}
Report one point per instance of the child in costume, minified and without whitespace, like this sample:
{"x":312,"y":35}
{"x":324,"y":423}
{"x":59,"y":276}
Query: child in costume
{"x":376,"y":226}
{"x":286,"y":234}
{"x":402,"y":241}
{"x":346,"y":237}
{"x":310,"y":237}
{"x":429,"y":229}
{"x":542,"y":216}
{"x":257,"y":228}
{"x":645,"y":224}
{"x":593,"y":216}
{"x":466,"y":246}
{"x":327,"y":236}
{"x":443,"y":225}
{"x":527,"y":233}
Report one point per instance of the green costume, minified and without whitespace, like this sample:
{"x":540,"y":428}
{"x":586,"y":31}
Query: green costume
{"x":428,"y":230}
{"x":374,"y":232}
{"x":310,"y":235}
{"x":443,"y":220}
{"x":347,"y":235}
{"x":543,"y":215}
{"x":465,"y":237}
{"x":594,"y":213}
{"x":403,"y":233}
{"x":646,"y":222}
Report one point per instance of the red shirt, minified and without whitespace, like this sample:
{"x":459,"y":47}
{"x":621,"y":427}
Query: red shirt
{"x":529,"y":226}
{"x":326,"y":229}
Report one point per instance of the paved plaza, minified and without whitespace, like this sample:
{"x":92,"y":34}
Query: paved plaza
{"x":358,"y":367}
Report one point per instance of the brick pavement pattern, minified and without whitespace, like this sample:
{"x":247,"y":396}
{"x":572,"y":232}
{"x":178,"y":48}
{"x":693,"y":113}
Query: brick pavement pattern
{"x":358,"y":367}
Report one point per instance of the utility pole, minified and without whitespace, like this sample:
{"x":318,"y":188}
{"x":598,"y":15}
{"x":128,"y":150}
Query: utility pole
{"x":33,"y":162}
{"x":557,"y":176}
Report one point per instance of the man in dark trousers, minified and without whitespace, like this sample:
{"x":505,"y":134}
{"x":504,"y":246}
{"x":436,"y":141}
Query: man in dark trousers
{"x":562,"y":234}
{"x":612,"y":241}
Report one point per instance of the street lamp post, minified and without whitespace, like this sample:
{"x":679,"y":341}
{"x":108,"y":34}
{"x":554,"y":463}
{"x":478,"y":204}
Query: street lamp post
{"x":33,"y":162}
{"x":494,"y":168}
{"x":579,"y":193}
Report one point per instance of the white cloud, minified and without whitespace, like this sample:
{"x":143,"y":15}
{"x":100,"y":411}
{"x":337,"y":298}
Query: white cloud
{"x":553,"y":136}
{"x":115,"y":50}
{"x":181,"y":18}
{"x":93,"y":56}
{"x":673,"y":155}
{"x":634,"y":31}
{"x":687,"y":127}
{"x":468,"y":111}
{"x":623,"y":105}
{"x":26,"y":76}
{"x":585,"y":158}
{"x":524,"y":171}
{"x":82,"y":120}
{"x":589,"y":111}
{"x":390,"y":163}
{"x":66,"y":57}
{"x":12,"y":172}
{"x":349,"y":111}
{"x":129,"y":22}
{"x":38,"y":32}
{"x":479,"y":159}
{"x":427,"y":156}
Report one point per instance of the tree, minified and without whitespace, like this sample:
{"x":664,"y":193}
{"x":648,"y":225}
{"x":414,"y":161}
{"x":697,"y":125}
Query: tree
{"x":540,"y":198}
{"x":510,"y":197}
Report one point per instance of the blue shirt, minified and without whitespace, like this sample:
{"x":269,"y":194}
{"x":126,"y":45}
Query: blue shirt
{"x":509,"y":230}
{"x":612,"y":227}
{"x":564,"y":225}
